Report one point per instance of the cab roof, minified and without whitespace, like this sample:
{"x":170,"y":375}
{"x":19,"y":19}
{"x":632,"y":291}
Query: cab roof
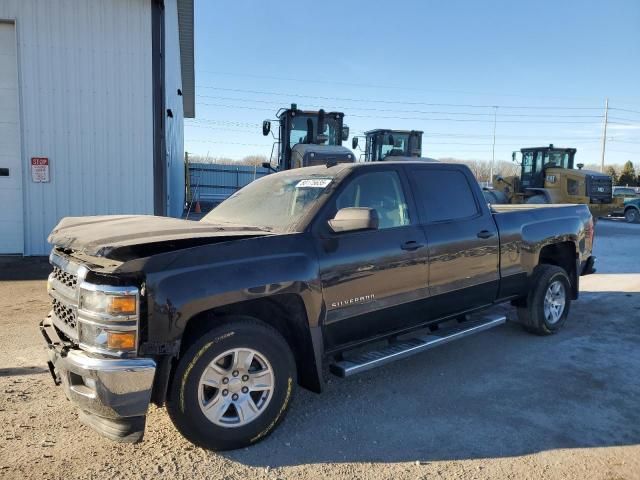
{"x":388,"y":130}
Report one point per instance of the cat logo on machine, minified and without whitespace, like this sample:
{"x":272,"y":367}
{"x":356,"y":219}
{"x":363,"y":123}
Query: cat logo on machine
{"x":551,"y":178}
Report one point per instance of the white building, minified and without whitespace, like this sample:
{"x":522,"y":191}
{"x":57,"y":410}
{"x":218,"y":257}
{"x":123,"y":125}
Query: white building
{"x":93,"y":94}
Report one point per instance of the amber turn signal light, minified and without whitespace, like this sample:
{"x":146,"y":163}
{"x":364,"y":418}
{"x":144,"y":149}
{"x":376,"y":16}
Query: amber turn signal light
{"x":123,"y":305}
{"x":121,"y":340}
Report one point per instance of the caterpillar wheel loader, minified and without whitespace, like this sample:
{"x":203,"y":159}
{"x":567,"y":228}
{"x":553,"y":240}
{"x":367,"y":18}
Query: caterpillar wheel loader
{"x":308,"y":138}
{"x":382,"y":143}
{"x":547,"y":175}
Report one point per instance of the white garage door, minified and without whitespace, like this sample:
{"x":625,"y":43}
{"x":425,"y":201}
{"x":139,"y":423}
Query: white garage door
{"x":11,"y":229}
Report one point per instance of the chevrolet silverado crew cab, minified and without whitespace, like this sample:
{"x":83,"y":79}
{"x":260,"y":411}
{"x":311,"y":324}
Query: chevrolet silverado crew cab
{"x":322,"y":270}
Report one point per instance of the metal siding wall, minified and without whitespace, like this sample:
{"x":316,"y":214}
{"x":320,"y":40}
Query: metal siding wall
{"x":214,"y":183}
{"x":174,"y":126}
{"x":85,"y":95}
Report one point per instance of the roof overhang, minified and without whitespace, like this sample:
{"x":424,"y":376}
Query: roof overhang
{"x":185,"y":27}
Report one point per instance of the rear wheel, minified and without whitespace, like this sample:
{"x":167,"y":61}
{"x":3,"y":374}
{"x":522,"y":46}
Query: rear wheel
{"x":548,"y":302}
{"x":631,"y":215}
{"x":233,"y":385}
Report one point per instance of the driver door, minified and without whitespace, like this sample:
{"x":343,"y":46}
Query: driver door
{"x":372,"y":280}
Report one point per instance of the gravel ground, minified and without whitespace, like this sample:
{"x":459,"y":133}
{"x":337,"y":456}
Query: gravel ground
{"x":502,"y":404}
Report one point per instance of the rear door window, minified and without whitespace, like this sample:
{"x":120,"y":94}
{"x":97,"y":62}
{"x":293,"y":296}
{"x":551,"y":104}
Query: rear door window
{"x":443,"y":194}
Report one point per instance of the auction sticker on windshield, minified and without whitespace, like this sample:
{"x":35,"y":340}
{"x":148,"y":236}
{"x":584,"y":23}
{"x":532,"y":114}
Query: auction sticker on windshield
{"x":313,"y":183}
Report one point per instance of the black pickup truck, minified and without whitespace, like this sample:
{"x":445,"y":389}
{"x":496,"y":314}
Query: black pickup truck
{"x":301,"y":274}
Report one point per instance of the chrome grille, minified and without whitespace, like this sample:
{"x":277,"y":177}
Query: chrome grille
{"x":64,"y":313}
{"x":64,"y":282}
{"x":65,"y":278}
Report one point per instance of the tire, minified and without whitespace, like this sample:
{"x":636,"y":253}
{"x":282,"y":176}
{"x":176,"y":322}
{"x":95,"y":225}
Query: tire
{"x":537,"y":199}
{"x":552,"y":280}
{"x":271,"y":371}
{"x":632,"y":215}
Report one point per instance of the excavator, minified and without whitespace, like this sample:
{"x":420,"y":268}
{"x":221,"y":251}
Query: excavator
{"x":382,"y":143}
{"x":547,"y":175}
{"x":307,"y":137}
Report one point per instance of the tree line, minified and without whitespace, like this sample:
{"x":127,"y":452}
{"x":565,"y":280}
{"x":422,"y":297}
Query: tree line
{"x":480,"y":168}
{"x":624,"y":175}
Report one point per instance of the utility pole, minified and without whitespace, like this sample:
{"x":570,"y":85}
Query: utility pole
{"x":604,"y":133}
{"x":493,"y":149}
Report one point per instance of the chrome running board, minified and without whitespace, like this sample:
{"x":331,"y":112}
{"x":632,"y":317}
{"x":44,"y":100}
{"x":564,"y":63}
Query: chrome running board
{"x":405,"y":348}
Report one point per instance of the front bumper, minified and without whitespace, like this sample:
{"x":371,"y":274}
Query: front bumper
{"x":112,"y":394}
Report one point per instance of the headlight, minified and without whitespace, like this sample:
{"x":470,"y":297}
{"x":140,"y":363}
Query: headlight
{"x":109,"y":302}
{"x":108,"y":319}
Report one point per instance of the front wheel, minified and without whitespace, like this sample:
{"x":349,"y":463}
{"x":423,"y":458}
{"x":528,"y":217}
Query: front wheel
{"x":233,"y":385}
{"x":547,"y":305}
{"x":631,"y":215}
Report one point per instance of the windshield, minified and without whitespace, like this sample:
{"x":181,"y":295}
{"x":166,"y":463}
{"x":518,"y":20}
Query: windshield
{"x":299,"y":129}
{"x":536,"y":161}
{"x":558,"y":159}
{"x":277,"y":202}
{"x":394,"y":144}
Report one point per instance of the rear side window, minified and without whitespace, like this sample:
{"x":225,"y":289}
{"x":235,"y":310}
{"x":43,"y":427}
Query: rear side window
{"x":443,"y":194}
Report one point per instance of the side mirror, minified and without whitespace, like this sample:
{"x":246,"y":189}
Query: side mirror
{"x":353,"y":219}
{"x":354,"y":142}
{"x":345,"y":133}
{"x":513,"y":156}
{"x":266,"y":127}
{"x":268,"y":166}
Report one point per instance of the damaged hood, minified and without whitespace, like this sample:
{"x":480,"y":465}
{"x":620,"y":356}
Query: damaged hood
{"x":101,"y":235}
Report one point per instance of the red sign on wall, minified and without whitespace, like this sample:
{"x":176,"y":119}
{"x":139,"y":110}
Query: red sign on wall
{"x":40,"y":169}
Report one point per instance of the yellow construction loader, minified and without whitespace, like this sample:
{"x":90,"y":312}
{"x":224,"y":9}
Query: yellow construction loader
{"x":547,"y":175}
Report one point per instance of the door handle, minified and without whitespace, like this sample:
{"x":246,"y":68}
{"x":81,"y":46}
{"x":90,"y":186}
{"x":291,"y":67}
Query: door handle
{"x":485,"y":234}
{"x":411,"y":245}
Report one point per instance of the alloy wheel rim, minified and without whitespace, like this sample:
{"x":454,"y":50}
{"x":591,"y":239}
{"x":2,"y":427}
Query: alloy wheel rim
{"x":554,"y":302}
{"x":236,"y":387}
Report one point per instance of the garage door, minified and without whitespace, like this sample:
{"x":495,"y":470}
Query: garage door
{"x":11,"y":229}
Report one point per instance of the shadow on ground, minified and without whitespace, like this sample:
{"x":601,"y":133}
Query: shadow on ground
{"x":21,"y":371}
{"x":501,"y":393}
{"x":13,"y":268}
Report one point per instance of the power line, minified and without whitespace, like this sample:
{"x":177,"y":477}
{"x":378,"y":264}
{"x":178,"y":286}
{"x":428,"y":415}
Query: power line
{"x":426,"y":143}
{"x":625,"y":151}
{"x":625,"y":110}
{"x":402,"y":102}
{"x":249,"y":127}
{"x":552,"y":115}
{"x":627,"y":124}
{"x":245,"y":107}
{"x":221,"y":122}
{"x":225,"y":129}
{"x":212,"y":124}
{"x":234,"y":143}
{"x":624,"y":119}
{"x":365,"y":85}
{"x":622,"y":141}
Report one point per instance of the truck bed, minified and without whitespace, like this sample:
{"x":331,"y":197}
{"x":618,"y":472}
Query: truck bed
{"x":511,"y":207}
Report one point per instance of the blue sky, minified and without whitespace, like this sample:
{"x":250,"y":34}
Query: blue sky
{"x":434,"y":66}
